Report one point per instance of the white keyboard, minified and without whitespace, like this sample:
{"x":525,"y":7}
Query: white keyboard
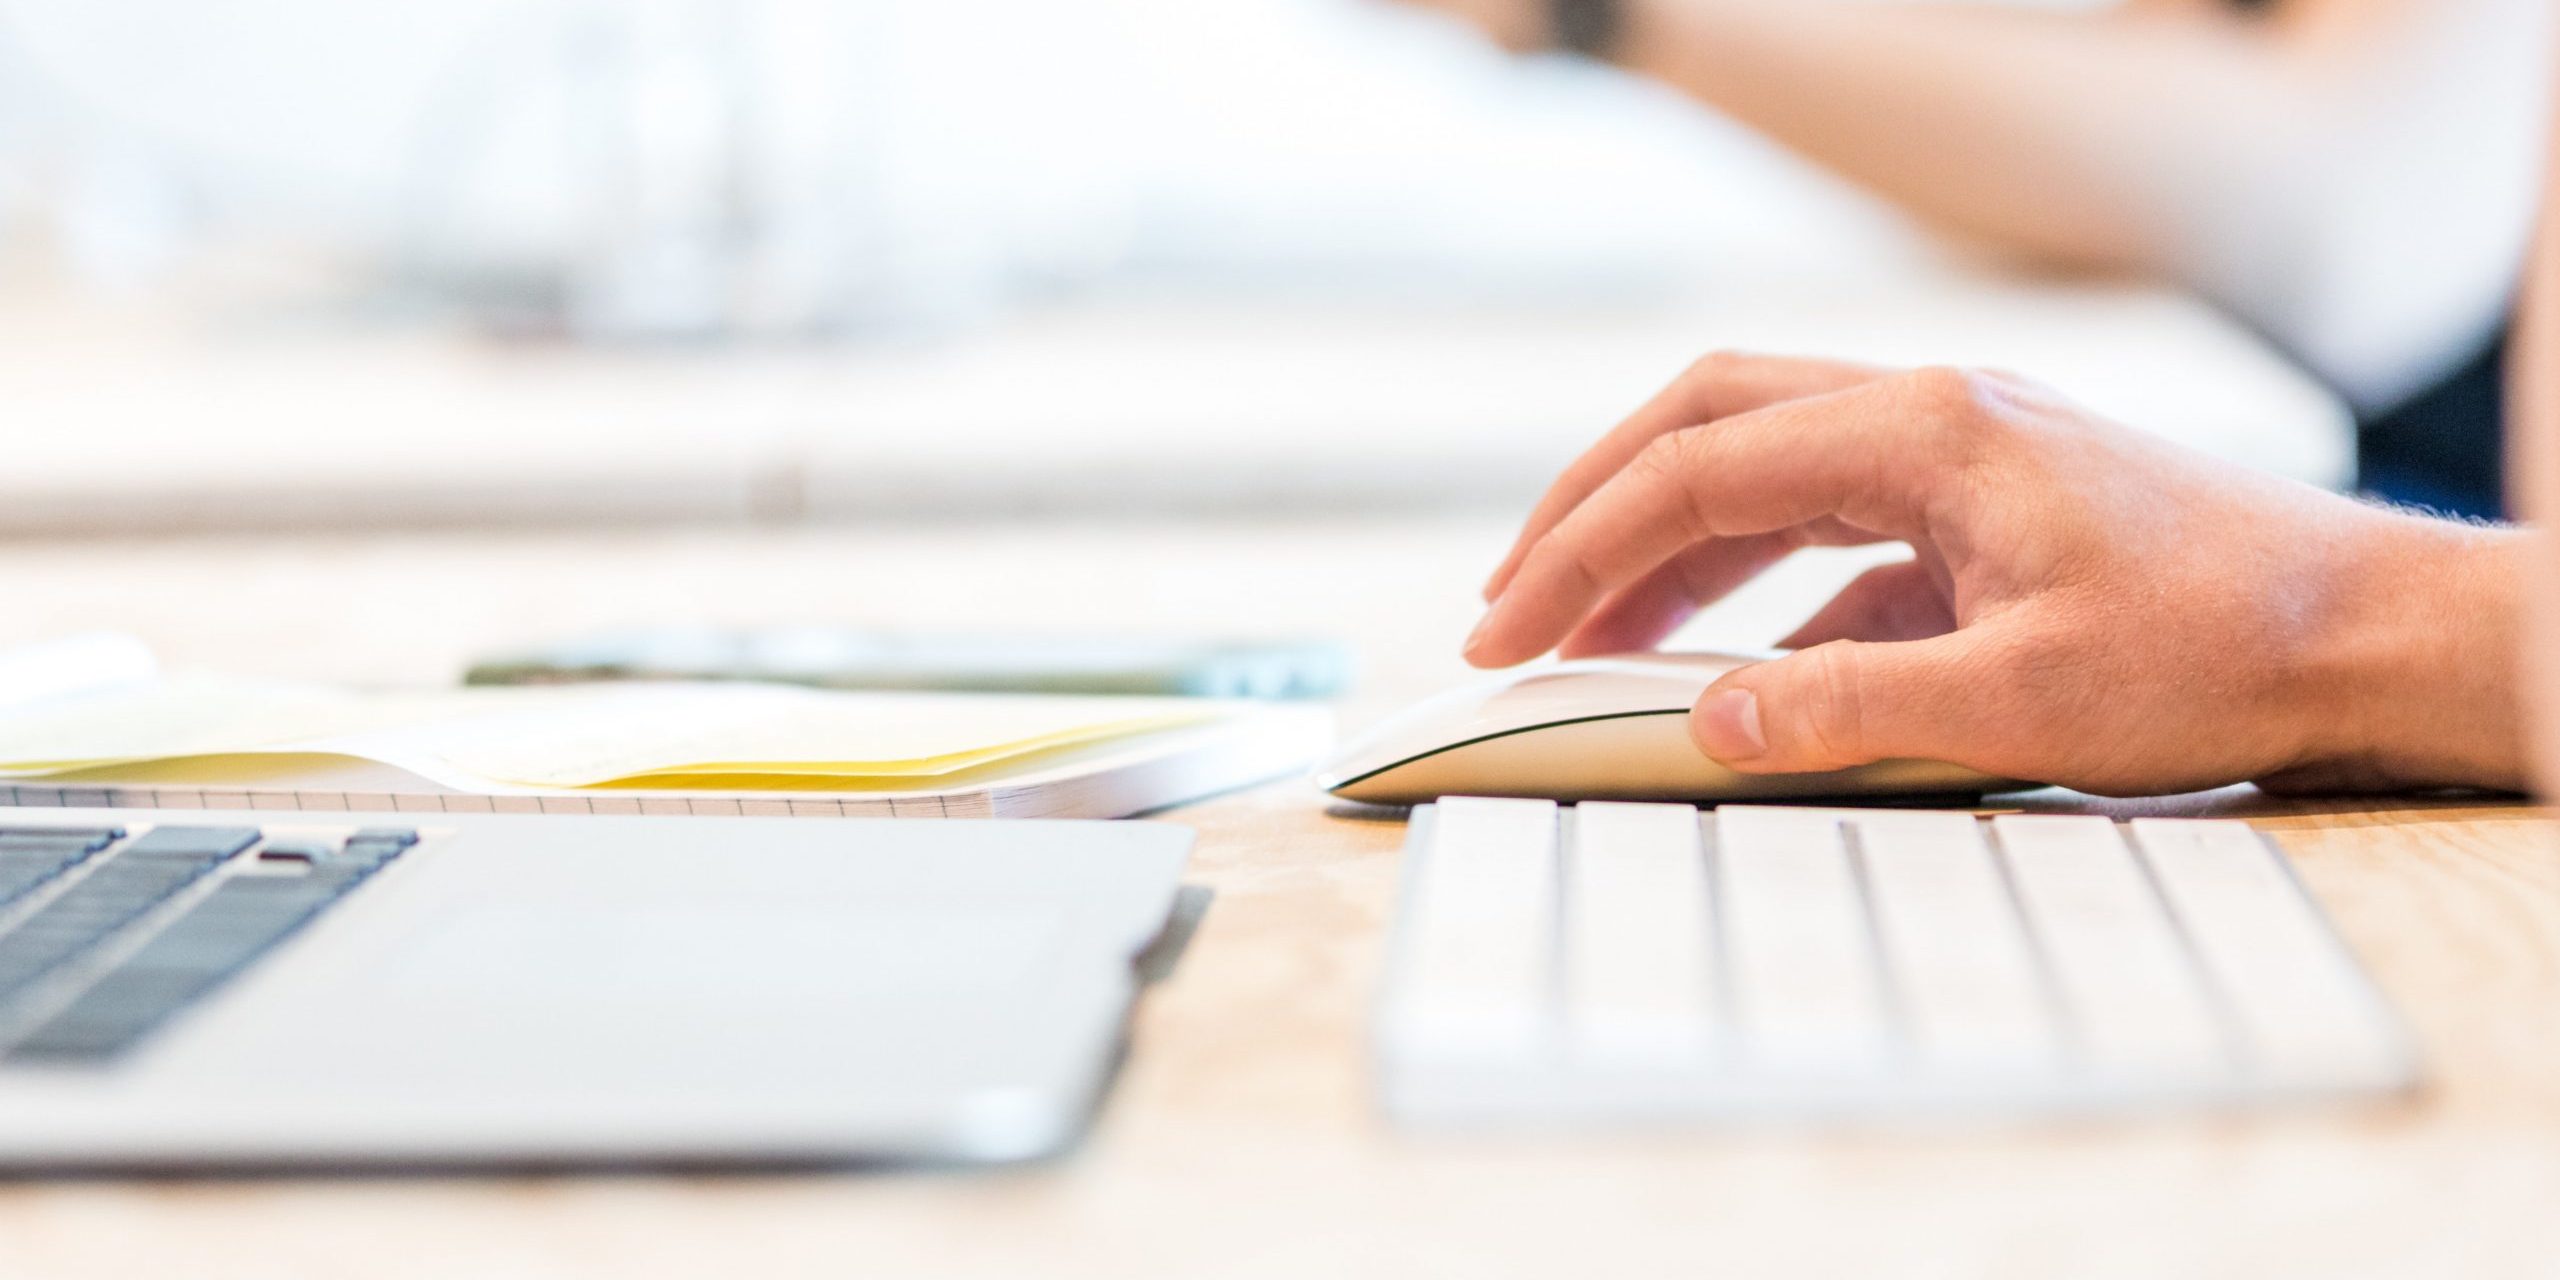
{"x":1647,"y":962}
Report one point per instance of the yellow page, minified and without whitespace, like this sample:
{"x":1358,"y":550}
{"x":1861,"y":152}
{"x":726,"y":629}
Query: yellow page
{"x":692,"y":736}
{"x":598,"y":735}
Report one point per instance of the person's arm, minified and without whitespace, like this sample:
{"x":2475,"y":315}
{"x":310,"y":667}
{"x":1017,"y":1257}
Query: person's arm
{"x":2352,"y":175}
{"x":2538,"y":475}
{"x":2087,"y":605}
{"x":2533,"y":432}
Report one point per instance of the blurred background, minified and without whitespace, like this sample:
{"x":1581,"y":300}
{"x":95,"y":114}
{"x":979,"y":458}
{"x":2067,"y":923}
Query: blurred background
{"x":291,"y":263}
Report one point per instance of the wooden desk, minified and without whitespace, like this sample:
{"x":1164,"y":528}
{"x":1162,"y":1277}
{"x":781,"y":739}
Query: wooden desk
{"x":1239,"y":1139}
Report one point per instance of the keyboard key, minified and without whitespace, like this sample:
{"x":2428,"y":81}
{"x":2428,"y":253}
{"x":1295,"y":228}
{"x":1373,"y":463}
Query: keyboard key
{"x":297,"y":849}
{"x":91,"y":839}
{"x":134,"y":997}
{"x":199,"y":945}
{"x":1962,"y":977}
{"x":111,"y":1015}
{"x":2133,"y":1003}
{"x":191,"y":842}
{"x":215,"y":938}
{"x":1639,"y":955}
{"x":2307,"y":1017}
{"x":109,"y":898}
{"x":137,"y":881}
{"x":49,"y":846}
{"x":47,"y":859}
{"x":1480,"y":933}
{"x":16,"y":884}
{"x":375,"y":846}
{"x":1807,"y":999}
{"x":24,"y":870}
{"x":350,"y":867}
{"x":71,"y":1040}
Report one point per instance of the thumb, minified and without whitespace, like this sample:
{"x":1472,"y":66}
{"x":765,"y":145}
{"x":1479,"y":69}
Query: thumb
{"x":1847,"y":703}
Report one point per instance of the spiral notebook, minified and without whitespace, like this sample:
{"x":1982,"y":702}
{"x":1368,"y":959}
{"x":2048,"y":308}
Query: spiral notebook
{"x":92,"y":721}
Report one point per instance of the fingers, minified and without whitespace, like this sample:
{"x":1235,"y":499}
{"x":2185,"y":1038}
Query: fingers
{"x":1717,"y":386}
{"x":1640,"y":616}
{"x":1848,"y":703}
{"x":1889,"y":602}
{"x":1875,"y":457}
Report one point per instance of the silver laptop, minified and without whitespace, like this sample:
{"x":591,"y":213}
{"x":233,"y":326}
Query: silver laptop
{"x":191,"y":989}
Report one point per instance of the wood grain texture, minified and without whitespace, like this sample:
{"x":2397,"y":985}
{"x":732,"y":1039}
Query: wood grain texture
{"x":1239,"y":1139}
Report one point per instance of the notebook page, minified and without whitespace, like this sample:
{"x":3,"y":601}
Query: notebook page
{"x":85,"y":663}
{"x":633,"y":733}
{"x":582,"y":736}
{"x":190,"y":716}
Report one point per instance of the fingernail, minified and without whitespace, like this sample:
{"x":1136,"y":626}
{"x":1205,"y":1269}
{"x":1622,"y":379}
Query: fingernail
{"x":1475,"y":638}
{"x":1484,"y":629}
{"x":1728,"y":726}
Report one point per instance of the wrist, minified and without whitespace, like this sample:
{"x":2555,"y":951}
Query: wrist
{"x":2411,"y":677}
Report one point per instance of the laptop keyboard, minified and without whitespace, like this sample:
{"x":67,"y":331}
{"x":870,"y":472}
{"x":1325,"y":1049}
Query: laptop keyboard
{"x":104,"y":938}
{"x":1638,"y":962}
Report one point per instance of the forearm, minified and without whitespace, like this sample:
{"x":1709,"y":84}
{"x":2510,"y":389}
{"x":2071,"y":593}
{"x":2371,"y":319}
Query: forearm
{"x":2109,"y":139}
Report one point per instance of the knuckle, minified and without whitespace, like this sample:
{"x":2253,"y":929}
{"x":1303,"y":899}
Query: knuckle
{"x":1666,"y":458}
{"x":1658,"y":463}
{"x":1686,"y":451}
{"x":1831,"y":710}
{"x":1946,"y":389}
{"x":1714,"y":367}
{"x":1563,"y":561}
{"x":1671,"y":463}
{"x":1581,"y":564}
{"x":2008,"y":396}
{"x":1705,"y":382}
{"x":1955,"y":406}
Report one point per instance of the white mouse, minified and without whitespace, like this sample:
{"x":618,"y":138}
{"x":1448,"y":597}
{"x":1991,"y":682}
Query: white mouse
{"x":1595,"y":729}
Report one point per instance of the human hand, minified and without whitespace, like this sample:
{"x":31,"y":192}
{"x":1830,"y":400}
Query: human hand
{"x":2086,"y":605}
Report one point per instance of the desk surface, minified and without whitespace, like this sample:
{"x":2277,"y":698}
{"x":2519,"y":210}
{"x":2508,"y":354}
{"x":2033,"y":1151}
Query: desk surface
{"x":1239,"y":1139}
{"x":130,"y":418}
